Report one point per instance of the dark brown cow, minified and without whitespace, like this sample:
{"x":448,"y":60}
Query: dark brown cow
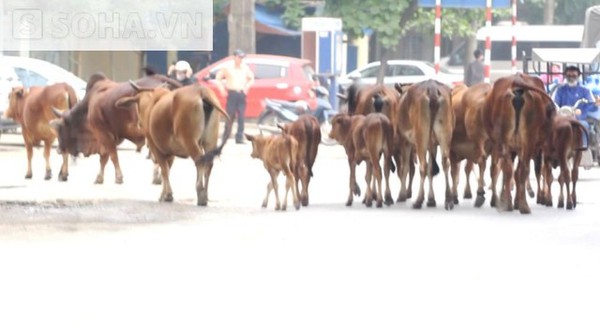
{"x":426,"y":119}
{"x":470,"y":141}
{"x":32,"y":109}
{"x":518,"y":117}
{"x":97,"y":126}
{"x":566,"y":142}
{"x":279,"y":154}
{"x":307,"y":132}
{"x":365,"y":138}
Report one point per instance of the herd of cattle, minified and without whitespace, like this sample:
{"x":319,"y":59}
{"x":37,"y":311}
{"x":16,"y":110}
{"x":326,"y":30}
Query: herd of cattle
{"x":512,"y":118}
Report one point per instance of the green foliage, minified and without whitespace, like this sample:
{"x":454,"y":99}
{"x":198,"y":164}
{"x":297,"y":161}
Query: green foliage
{"x":292,"y":11}
{"x":382,"y":16}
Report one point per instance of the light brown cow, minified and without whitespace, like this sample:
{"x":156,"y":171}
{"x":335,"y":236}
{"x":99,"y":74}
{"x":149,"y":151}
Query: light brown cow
{"x":470,"y":141}
{"x":182,"y":123}
{"x":32,"y":109}
{"x":426,"y":119}
{"x":518,"y":118}
{"x":307,"y":132}
{"x":278,"y":154}
{"x":566,"y":142}
{"x":365,"y":138}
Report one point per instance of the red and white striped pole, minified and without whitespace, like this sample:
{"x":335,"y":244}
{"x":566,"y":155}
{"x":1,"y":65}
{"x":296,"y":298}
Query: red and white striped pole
{"x":487,"y":59}
{"x":437,"y":36}
{"x":513,"y":49}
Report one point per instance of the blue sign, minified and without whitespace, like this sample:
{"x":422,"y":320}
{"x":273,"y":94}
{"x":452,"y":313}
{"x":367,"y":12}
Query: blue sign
{"x":466,"y":3}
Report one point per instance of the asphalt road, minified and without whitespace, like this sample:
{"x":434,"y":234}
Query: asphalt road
{"x":76,"y":253}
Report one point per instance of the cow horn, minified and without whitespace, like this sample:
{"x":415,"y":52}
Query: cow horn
{"x":134,"y":85}
{"x":57,"y":113}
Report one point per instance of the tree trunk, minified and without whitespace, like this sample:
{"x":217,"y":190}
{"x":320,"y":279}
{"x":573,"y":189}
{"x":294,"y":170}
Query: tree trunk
{"x":385,"y":53}
{"x":548,"y":12}
{"x":240,"y":22}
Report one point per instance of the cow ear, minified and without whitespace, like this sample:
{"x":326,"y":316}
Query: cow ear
{"x":249,"y":137}
{"x":55,"y":123}
{"x":125,"y":102}
{"x":57,"y":113}
{"x":135,"y":86}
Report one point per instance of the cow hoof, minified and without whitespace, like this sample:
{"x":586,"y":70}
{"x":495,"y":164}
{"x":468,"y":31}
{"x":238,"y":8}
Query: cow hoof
{"x":418,"y":204}
{"x":379,"y":203}
{"x":505,"y":206}
{"x":119,"y":180}
{"x":409,"y":194}
{"x":449,"y":205}
{"x":28,"y":176}
{"x":166,"y":198}
{"x":349,"y":203}
{"x":560,"y":205}
{"x":530,"y":193}
{"x":157,"y":181}
{"x":277,"y":207}
{"x":48,"y":175}
{"x":63,"y":176}
{"x":524,"y":209}
{"x":493,"y":202}
{"x":467,"y":195}
{"x":297,"y":205}
{"x":264,"y":204}
{"x":479,"y":201}
{"x":305,"y":201}
{"x":99,"y":180}
{"x":550,"y":204}
{"x":431,"y":202}
{"x":389,"y":201}
{"x":401,"y":198}
{"x":455,"y":199}
{"x":369,"y":203}
{"x":569,"y":205}
{"x":284,"y":208}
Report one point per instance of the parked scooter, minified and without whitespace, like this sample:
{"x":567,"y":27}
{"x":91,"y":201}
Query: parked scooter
{"x":592,"y":125}
{"x":278,"y":111}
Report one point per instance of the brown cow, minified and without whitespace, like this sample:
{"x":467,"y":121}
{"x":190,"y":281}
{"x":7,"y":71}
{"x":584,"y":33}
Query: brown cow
{"x":470,"y":141}
{"x":365,"y":138}
{"x":279,"y":154}
{"x":426,"y":119}
{"x":307,"y":132}
{"x":517,"y":117}
{"x":32,"y":109}
{"x":566,"y":142}
{"x":97,"y":126}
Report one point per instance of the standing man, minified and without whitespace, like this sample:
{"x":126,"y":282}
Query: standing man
{"x":238,"y":80}
{"x":474,"y":72}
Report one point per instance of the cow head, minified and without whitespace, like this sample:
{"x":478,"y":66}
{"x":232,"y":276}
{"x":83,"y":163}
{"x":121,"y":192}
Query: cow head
{"x":74,"y":135}
{"x":258,"y":145}
{"x":16,"y":103}
{"x":340,"y":127}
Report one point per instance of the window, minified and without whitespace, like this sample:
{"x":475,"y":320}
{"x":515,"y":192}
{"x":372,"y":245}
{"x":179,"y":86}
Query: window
{"x":267,"y":71}
{"x":406,"y":70}
{"x":30,"y":78}
{"x":370,"y":72}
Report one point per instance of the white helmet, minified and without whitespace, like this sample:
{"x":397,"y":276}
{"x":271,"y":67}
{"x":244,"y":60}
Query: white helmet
{"x":182,"y":65}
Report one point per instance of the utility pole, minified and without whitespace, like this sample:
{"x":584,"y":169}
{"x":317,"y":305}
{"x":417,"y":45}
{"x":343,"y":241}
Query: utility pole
{"x":240,"y":22}
{"x":549,"y":12}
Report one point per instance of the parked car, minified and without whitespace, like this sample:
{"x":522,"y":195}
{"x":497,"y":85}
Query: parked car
{"x":401,"y":71}
{"x":36,"y":72}
{"x":276,"y":77}
{"x":8,"y":80}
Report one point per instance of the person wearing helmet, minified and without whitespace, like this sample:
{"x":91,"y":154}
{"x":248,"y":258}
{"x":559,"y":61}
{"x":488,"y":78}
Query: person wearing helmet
{"x":235,"y":81}
{"x":182,"y":72}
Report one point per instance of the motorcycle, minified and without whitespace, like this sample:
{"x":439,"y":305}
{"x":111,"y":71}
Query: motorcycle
{"x":279,"y":111}
{"x":592,"y":125}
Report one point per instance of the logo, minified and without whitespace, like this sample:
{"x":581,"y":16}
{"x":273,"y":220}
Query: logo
{"x":27,"y":24}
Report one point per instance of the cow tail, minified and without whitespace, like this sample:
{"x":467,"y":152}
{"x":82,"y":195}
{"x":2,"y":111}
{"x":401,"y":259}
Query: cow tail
{"x":293,"y":150}
{"x":71,"y":97}
{"x":577,"y":125}
{"x":389,"y":139}
{"x":434,"y":96}
{"x":210,"y":155}
{"x":517,"y":103}
{"x":309,"y":144}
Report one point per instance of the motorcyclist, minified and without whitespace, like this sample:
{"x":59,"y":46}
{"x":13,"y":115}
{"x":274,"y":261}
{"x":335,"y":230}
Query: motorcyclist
{"x":572,"y":91}
{"x":182,"y":72}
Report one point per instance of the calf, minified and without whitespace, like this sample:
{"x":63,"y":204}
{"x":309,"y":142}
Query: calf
{"x":32,"y":109}
{"x":279,"y":154}
{"x":307,"y":132}
{"x":566,"y":142}
{"x":365,"y":138}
